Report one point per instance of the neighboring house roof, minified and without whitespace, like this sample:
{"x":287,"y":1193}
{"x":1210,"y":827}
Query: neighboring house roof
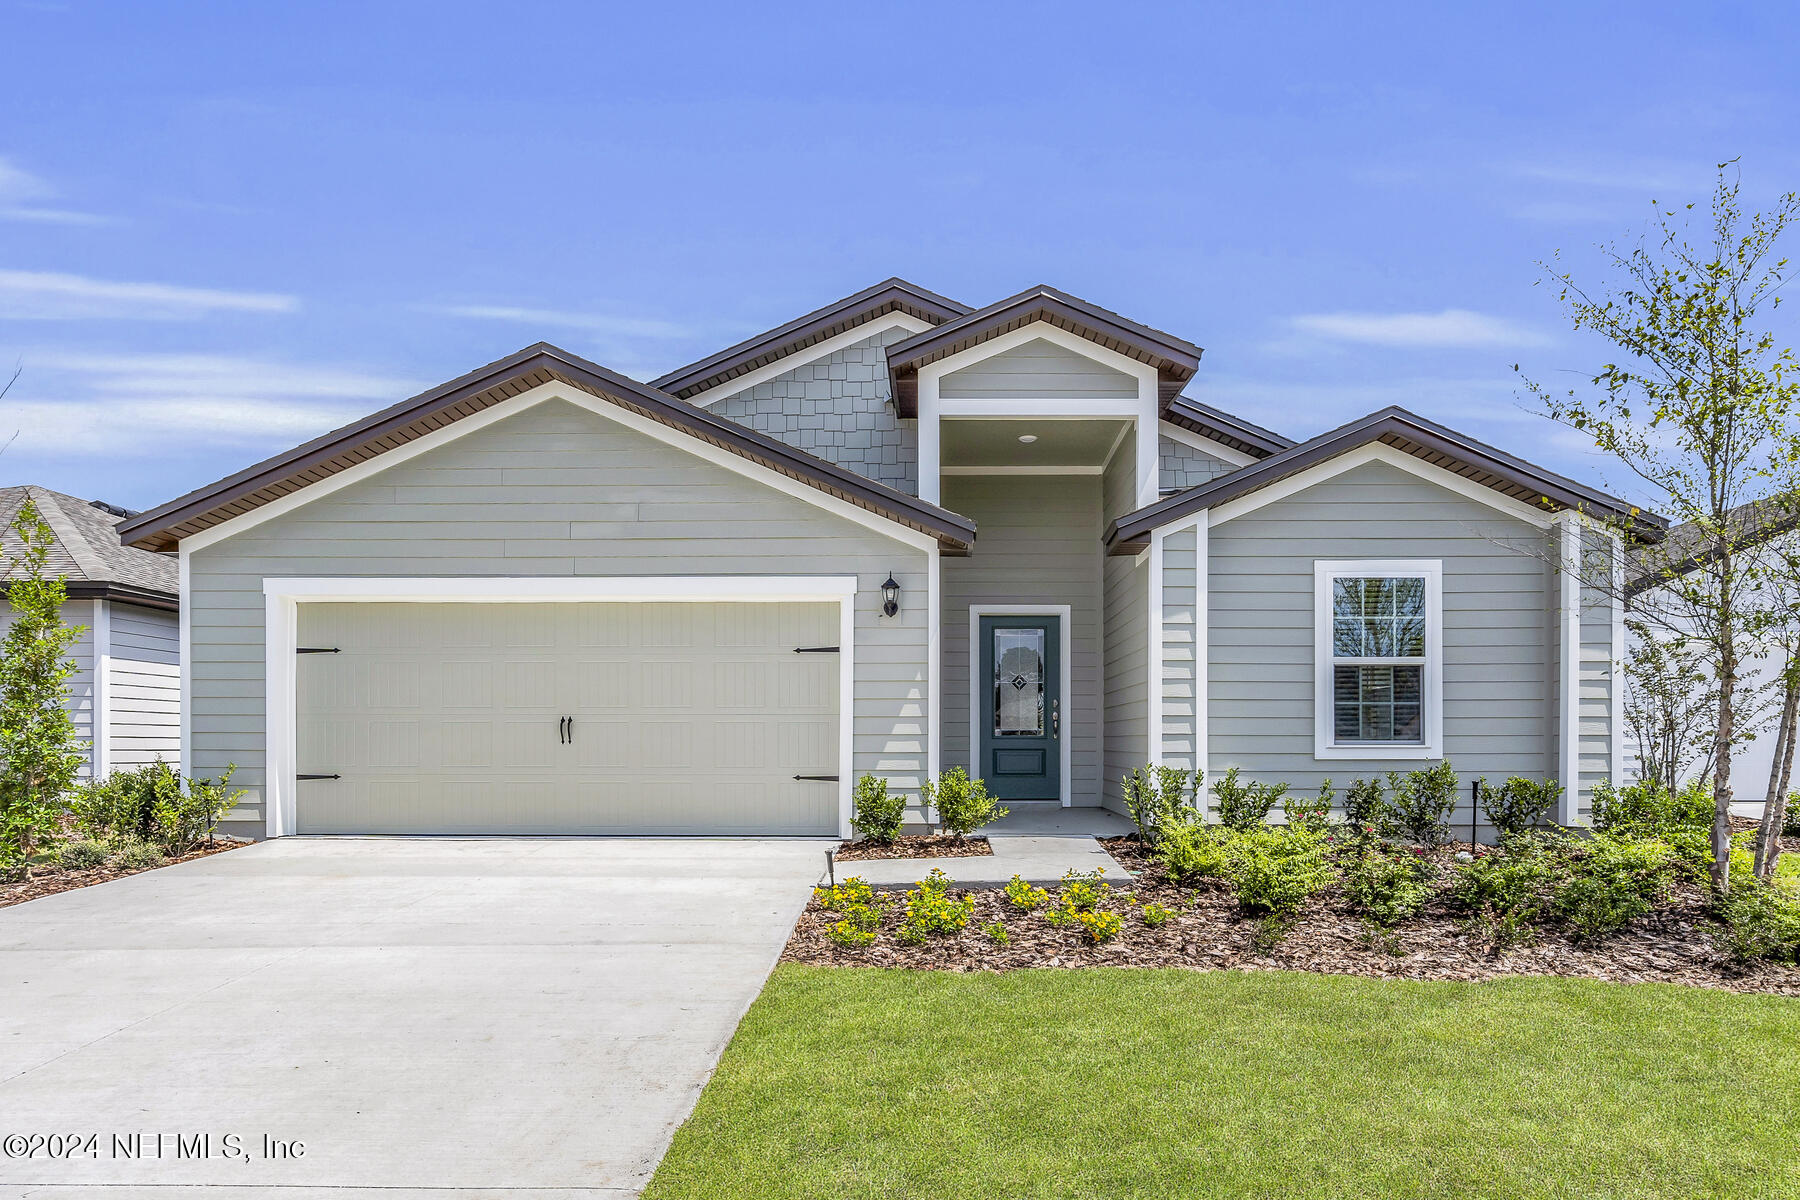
{"x":87,"y":552}
{"x":1232,"y":432}
{"x":1175,"y":359}
{"x":163,"y":527}
{"x":890,"y":295}
{"x":1412,"y":434}
{"x":1688,"y":547}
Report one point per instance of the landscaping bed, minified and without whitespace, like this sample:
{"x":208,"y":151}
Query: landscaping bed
{"x":922,"y":845}
{"x":48,"y":880}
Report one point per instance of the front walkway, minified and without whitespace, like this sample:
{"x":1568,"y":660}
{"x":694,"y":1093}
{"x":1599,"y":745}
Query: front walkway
{"x":533,"y":1015}
{"x":1038,"y":840}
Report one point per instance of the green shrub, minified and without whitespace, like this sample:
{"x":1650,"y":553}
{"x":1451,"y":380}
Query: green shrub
{"x":1082,"y":890}
{"x":1276,"y":870}
{"x":1193,"y":852}
{"x":1099,"y":925}
{"x":1649,"y":809}
{"x":860,"y":926}
{"x":1508,"y":889}
{"x":1609,"y":880}
{"x":930,"y":910}
{"x":1366,"y":807}
{"x":1519,"y":803}
{"x":1761,"y":922}
{"x":1313,"y":814}
{"x":1790,"y":818}
{"x":844,"y":896}
{"x":82,"y":855}
{"x":1156,"y":915}
{"x":996,"y":932}
{"x":1423,"y":801}
{"x":153,"y":803}
{"x":877,"y":815}
{"x":137,"y":856}
{"x":1386,"y":888}
{"x":963,"y":804}
{"x":1157,"y":798}
{"x":1244,"y":806}
{"x":1023,"y":896}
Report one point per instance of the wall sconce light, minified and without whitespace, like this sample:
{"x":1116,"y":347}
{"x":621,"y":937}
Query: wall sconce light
{"x":890,"y":596}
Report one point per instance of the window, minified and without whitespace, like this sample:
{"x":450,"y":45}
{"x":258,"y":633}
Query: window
{"x":1380,"y":670}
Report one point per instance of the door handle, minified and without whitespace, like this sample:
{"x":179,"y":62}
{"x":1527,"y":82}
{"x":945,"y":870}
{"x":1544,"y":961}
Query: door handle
{"x":562,"y":731}
{"x":1055,"y":717}
{"x":571,"y":721}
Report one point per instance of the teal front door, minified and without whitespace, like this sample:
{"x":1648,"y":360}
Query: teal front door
{"x":1021,"y":707}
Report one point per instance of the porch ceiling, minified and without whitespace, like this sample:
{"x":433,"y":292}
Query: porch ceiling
{"x":984,"y":442}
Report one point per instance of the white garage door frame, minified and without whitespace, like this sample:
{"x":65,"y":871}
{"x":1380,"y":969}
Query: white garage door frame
{"x":282,"y":598}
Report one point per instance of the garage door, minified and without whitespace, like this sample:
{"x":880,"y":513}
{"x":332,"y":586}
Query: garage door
{"x":668,"y":718}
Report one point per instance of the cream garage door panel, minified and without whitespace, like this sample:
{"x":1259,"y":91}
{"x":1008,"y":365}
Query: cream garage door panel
{"x":687,"y":718}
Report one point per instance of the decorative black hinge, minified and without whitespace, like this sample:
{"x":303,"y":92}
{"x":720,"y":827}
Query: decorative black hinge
{"x":818,"y":778}
{"x":815,"y":649}
{"x":317,"y":650}
{"x":316,"y":777}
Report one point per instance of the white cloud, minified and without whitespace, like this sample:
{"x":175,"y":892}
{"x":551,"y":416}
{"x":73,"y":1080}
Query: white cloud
{"x":603,"y":324}
{"x":22,"y":195}
{"x":84,"y":406}
{"x":1453,"y":327}
{"x":54,"y":296}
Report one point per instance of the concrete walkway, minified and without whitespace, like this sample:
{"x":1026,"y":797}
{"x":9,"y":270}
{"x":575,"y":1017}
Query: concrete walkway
{"x":526,"y":1018}
{"x":1038,"y":841}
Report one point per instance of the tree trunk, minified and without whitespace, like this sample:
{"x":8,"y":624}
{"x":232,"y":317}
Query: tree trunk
{"x":1768,"y":838}
{"x":1728,"y":666}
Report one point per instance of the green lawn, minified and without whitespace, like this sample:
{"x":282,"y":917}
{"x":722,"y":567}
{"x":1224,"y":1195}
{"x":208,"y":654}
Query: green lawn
{"x":1120,"y":1083}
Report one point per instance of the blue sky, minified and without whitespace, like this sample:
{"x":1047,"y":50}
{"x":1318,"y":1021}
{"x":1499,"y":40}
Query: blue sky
{"x":225,"y":228}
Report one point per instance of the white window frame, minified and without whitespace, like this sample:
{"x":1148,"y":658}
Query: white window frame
{"x":1431,"y":699}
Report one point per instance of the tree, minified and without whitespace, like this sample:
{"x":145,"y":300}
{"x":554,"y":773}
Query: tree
{"x":1669,"y":703}
{"x":40,"y":753}
{"x":1701,"y":408}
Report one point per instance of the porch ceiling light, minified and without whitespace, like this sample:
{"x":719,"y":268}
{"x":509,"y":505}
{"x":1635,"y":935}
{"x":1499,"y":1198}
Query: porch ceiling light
{"x":1028,"y":438}
{"x":890,"y":596}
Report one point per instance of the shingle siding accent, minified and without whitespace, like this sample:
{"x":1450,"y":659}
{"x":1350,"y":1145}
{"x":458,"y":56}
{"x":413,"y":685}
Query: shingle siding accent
{"x":837,"y":408}
{"x":1180,"y":466}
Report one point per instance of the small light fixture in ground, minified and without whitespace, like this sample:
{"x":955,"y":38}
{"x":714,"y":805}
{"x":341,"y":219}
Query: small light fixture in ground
{"x":1028,"y":438}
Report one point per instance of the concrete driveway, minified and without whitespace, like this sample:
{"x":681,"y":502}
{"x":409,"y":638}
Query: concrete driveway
{"x":531,"y":1017}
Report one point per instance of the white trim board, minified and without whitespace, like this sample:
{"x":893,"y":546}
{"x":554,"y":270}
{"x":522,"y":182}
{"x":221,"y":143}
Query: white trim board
{"x":101,"y":765}
{"x":1372,"y":452}
{"x":1431,"y":702}
{"x":605,"y":409}
{"x":1204,"y":444}
{"x":1568,"y":611}
{"x":737,"y":385}
{"x":1066,"y":738}
{"x":1048,"y":469}
{"x":282,"y":598}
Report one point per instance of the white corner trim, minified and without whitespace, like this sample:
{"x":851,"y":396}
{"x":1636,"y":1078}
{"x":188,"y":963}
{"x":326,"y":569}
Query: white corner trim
{"x":1568,"y":611}
{"x":102,"y":715}
{"x":605,"y":409}
{"x":184,"y":653}
{"x":282,"y":598}
{"x":1202,"y":647}
{"x":1153,"y":665}
{"x":1362,"y":456}
{"x":1204,"y":444}
{"x":1616,"y":672}
{"x":1065,"y":674}
{"x":934,"y":666}
{"x":1431,"y":702}
{"x":737,"y":385}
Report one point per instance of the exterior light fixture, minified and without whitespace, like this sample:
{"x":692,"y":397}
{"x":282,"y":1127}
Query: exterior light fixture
{"x":890,"y":596}
{"x":1028,"y":438}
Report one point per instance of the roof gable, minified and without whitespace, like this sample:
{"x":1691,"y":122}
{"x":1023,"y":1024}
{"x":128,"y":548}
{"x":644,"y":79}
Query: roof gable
{"x":888,"y":296}
{"x":1175,"y":359}
{"x":323,"y":457}
{"x":1410,"y":434}
{"x":87,"y":552}
{"x":1037,"y":368}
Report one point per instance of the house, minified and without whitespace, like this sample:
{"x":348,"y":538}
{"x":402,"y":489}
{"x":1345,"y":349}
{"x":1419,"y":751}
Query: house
{"x":125,"y":695}
{"x":891,"y":536}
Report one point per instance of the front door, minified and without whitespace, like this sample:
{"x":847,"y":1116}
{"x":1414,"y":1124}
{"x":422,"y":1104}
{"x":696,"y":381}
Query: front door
{"x":1021,"y":717}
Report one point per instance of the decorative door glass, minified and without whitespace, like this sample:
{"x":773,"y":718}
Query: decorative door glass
{"x":1019,"y":682}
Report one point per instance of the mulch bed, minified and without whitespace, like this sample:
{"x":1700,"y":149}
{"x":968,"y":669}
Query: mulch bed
{"x":48,"y":881}
{"x":1672,"y":945}
{"x":921,"y":845}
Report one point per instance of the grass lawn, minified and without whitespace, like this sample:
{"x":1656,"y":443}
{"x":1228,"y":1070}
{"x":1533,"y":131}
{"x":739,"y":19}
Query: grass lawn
{"x":1121,"y":1083}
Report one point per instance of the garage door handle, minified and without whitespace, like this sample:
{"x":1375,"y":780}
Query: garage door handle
{"x":818,"y":778}
{"x":315,"y":777}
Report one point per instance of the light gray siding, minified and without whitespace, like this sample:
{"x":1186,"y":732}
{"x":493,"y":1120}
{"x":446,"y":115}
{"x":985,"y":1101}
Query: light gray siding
{"x":838,"y":409}
{"x":555,"y":490}
{"x":144,"y":687}
{"x":1039,"y":543}
{"x":1179,"y":679}
{"x":1499,"y":599}
{"x":1180,"y":466}
{"x":1126,"y":583}
{"x":1037,"y":370}
{"x":81,"y":683}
